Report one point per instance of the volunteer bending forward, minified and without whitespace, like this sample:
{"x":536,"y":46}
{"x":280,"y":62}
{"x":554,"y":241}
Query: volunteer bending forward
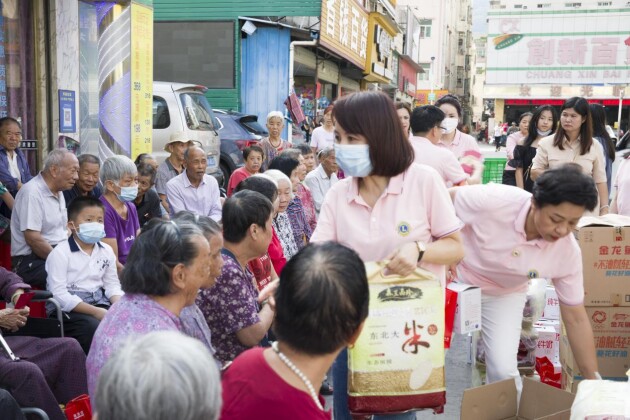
{"x":388,"y":208}
{"x":511,"y":236}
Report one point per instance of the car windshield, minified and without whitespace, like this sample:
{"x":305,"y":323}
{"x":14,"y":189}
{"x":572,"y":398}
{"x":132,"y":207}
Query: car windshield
{"x":252,"y":125}
{"x":199,"y":115}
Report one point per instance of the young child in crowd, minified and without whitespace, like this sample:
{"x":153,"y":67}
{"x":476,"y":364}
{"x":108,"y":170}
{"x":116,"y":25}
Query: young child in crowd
{"x":82,"y":271}
{"x":253,"y":157}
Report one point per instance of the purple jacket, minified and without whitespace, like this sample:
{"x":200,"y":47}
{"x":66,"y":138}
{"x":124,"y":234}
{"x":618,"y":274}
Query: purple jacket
{"x":5,"y":174}
{"x":9,"y":283}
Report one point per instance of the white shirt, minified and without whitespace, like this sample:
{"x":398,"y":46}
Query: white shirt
{"x":37,"y":208}
{"x":13,"y":166}
{"x":322,"y":139}
{"x":70,"y":269}
{"x":318,"y":182}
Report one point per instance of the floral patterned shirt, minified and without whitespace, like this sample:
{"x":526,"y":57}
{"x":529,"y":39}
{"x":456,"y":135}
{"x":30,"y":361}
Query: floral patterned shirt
{"x":283,"y":228}
{"x":301,"y":230}
{"x":229,"y":306}
{"x":271,"y":152}
{"x":133,"y":315}
{"x":309,"y":205}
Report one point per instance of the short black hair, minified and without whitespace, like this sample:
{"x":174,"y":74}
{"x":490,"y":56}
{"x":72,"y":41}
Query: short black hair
{"x":241,"y":210}
{"x":155,"y":252}
{"x":565,"y":184}
{"x":259,"y":184}
{"x":424,"y":118}
{"x":304,"y":148}
{"x":451,"y":100}
{"x":322,"y":298}
{"x":253,"y":148}
{"x":78,"y":204}
{"x":144,"y":169}
{"x":7,"y":120}
{"x":142,"y":157}
{"x":285,"y":164}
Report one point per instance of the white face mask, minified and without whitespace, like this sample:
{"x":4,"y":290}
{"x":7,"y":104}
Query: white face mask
{"x":543,"y":133}
{"x":450,"y":124}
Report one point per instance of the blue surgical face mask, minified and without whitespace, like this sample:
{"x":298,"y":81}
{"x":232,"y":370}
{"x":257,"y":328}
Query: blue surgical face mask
{"x":354,"y":159}
{"x":91,"y":233}
{"x":128,"y":193}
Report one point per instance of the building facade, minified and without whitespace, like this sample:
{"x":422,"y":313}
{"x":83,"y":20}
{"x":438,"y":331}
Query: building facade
{"x":545,"y":52}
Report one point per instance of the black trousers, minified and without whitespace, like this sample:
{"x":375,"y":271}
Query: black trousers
{"x":9,"y":407}
{"x":509,"y":178}
{"x":31,"y":268}
{"x":81,"y":327}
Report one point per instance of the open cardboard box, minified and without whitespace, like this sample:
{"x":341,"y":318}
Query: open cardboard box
{"x":497,"y":401}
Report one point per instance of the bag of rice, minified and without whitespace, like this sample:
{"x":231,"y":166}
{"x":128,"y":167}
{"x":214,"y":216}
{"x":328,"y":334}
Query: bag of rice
{"x":602,"y":400}
{"x":397,"y":364}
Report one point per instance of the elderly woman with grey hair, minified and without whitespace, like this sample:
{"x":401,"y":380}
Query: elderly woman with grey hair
{"x":281,"y":221}
{"x":273,"y":145}
{"x":120,"y":183}
{"x":168,"y":264}
{"x":160,"y":376}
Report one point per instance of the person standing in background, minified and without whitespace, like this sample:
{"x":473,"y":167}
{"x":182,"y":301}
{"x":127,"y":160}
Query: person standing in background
{"x":453,"y":139}
{"x":14,"y":169}
{"x":601,"y":134}
{"x":273,"y":144}
{"x":509,"y":177}
{"x":324,"y":136}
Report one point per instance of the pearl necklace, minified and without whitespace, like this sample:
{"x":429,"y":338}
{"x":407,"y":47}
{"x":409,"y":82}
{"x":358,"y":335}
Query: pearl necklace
{"x":299,"y":374}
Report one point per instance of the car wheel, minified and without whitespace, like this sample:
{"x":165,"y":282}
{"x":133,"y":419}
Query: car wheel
{"x":226,"y":174}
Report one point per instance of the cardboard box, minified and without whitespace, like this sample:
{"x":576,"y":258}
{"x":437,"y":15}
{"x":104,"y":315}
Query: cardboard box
{"x":605,"y":244}
{"x":468,"y":312}
{"x":552,"y":305}
{"x":548,"y":343}
{"x":497,"y":401}
{"x":611,"y":329}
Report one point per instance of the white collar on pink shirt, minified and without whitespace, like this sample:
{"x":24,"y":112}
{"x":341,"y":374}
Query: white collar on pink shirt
{"x":394,"y":186}
{"x":519,"y":225}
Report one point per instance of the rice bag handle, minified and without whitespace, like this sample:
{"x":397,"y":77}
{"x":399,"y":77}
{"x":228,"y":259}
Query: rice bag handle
{"x":382,"y":277}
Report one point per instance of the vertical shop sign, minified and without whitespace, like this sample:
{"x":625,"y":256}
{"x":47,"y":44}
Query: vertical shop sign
{"x":344,"y":26}
{"x":67,"y":111}
{"x":141,"y":78}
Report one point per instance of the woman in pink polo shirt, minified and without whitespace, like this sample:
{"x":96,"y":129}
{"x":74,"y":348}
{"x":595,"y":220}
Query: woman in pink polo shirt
{"x":454,"y":140}
{"x":511,"y":236}
{"x":388,"y":208}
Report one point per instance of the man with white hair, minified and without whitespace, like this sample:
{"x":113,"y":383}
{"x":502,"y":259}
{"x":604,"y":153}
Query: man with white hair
{"x":320,"y":180}
{"x":39,"y":216}
{"x":172,"y":165}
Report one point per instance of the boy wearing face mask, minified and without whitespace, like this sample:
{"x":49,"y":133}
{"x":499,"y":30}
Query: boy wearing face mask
{"x":82,"y":271}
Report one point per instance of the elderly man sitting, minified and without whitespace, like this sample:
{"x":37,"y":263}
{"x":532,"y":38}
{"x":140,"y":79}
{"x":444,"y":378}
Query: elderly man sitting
{"x":52,"y":370}
{"x":323,"y":177}
{"x":39,"y":216}
{"x":193,"y":190}
{"x":87,"y":184}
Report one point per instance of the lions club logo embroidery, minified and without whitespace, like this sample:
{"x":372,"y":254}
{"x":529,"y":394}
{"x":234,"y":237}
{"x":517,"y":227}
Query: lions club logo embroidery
{"x":403,"y":229}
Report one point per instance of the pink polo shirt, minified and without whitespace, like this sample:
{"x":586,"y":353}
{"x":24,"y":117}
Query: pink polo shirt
{"x":415,"y":206}
{"x":499,"y":258}
{"x":622,"y":183}
{"x":461,"y":144}
{"x":439,"y":158}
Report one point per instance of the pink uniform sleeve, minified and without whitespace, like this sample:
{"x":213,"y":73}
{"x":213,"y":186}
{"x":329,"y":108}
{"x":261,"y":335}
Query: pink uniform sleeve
{"x":570,"y":287}
{"x":325,"y":230}
{"x":452,"y":170}
{"x":441,"y":212}
{"x":471,"y":200}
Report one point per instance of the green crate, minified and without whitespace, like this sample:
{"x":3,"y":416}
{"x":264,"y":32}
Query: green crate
{"x":493,"y":170}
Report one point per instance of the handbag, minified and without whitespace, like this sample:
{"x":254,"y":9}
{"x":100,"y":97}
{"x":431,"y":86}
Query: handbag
{"x":397,"y":363}
{"x":79,"y":408}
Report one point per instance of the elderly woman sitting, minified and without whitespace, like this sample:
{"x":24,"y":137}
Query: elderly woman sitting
{"x":159,"y":376}
{"x":281,"y":221}
{"x":322,"y":301}
{"x":231,"y":307}
{"x":166,"y":267}
{"x":52,"y":370}
{"x":120,"y":182}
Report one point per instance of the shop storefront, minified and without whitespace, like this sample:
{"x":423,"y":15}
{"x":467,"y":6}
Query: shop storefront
{"x":380,"y":60}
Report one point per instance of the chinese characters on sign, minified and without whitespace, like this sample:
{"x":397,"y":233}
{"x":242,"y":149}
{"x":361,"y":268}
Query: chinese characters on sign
{"x":345,"y":25}
{"x":142,"y":79}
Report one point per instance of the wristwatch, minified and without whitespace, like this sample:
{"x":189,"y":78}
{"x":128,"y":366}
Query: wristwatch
{"x":421,"y":249}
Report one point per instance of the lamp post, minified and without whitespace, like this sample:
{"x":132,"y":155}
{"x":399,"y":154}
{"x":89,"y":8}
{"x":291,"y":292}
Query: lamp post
{"x":431,"y":95}
{"x":621,"y":93}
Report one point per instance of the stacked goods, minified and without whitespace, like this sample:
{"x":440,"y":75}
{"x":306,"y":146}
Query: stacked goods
{"x":602,"y":400}
{"x":397,"y":364}
{"x":548,"y":364}
{"x":605,"y":245}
